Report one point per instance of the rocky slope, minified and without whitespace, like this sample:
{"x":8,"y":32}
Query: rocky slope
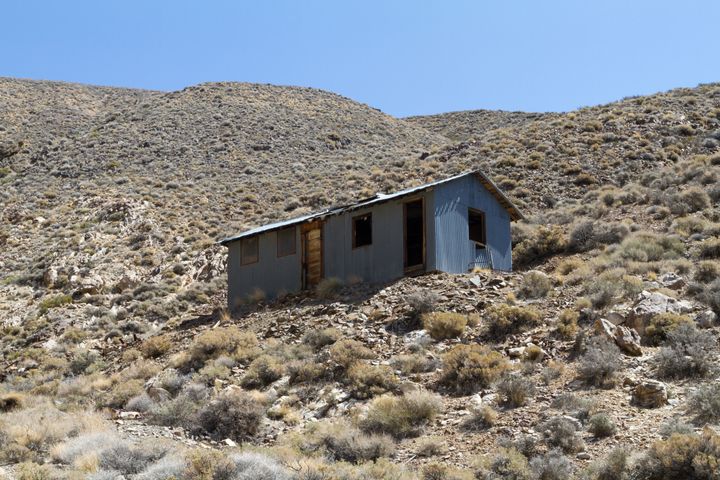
{"x":111,"y":295}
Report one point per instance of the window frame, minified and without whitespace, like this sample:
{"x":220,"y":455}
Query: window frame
{"x":294,"y":242}
{"x":243,"y":243}
{"x":354,"y":230}
{"x":481,"y":214}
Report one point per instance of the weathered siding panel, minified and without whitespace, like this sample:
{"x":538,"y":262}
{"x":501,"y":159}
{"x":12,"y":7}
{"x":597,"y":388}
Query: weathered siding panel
{"x":271,"y":274}
{"x":383,"y":260}
{"x":454,"y":251}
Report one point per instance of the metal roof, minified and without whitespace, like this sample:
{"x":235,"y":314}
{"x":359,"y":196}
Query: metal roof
{"x":380,"y":198}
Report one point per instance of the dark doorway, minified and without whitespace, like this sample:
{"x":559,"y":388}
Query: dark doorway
{"x":414,"y":235}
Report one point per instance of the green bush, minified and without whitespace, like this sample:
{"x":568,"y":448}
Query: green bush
{"x":346,"y":352}
{"x":660,"y":325}
{"x":230,"y":341}
{"x":504,"y":463}
{"x":541,"y":243}
{"x":601,"y":425}
{"x":263,"y":371}
{"x":444,"y":325}
{"x":54,"y":302}
{"x":682,"y":456}
{"x":469,"y":368}
{"x":567,"y":324}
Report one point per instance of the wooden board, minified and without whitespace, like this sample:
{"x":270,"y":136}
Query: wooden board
{"x":312,"y":270}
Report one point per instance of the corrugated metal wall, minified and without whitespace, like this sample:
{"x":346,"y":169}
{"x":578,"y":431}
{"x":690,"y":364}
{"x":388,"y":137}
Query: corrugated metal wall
{"x":454,"y":250}
{"x":383,"y":260}
{"x":271,"y":274}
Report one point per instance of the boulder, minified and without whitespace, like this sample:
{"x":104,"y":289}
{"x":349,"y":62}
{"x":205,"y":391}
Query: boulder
{"x":672,"y":281}
{"x":650,"y":394}
{"x":50,"y":277}
{"x":627,"y":339}
{"x":90,"y":284}
{"x":650,"y":304}
{"x":706,"y":319}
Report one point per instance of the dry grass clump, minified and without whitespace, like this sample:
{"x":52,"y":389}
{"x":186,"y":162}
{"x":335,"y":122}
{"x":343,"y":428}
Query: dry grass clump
{"x":567,"y":324}
{"x":600,"y":362}
{"x":370,"y":380}
{"x":660,"y":325}
{"x":515,"y":390}
{"x":682,"y":456}
{"x":318,"y":339}
{"x":413,"y":363}
{"x":539,"y":243}
{"x":444,"y":325}
{"x":535,"y":284}
{"x":328,"y":287}
{"x":468,"y":368}
{"x":503,"y":463}
{"x":157,"y":346}
{"x":504,"y":319}
{"x":562,"y":433}
{"x":704,"y":403}
{"x":587,"y":235}
{"x":480,"y":418}
{"x":601,"y":425}
{"x":11,"y":401}
{"x":707,"y":271}
{"x":346,"y":352}
{"x":650,"y":247}
{"x":686,"y":352}
{"x":231,"y":341}
{"x":344,"y":442}
{"x":306,"y":371}
{"x":709,"y":249}
{"x":263,"y":371}
{"x":430,"y":446}
{"x":401,"y":416}
{"x":233,"y":414}
{"x":612,"y":286}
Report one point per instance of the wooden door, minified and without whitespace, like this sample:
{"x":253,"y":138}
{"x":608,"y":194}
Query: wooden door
{"x":312,"y":264}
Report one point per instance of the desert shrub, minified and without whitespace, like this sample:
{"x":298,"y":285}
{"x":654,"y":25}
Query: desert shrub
{"x":552,"y":466}
{"x":650,"y":247}
{"x":567,"y":324}
{"x":709,"y":249}
{"x":54,"y":302}
{"x":168,"y":467}
{"x":121,"y":393}
{"x":369,"y":380}
{"x":687,"y":226}
{"x":256,"y":466}
{"x":552,"y":371}
{"x":675,"y":425}
{"x":128,"y":459}
{"x":436,"y":471}
{"x":443,"y":325}
{"x":535,"y":284}
{"x":430,"y":446}
{"x":687,"y":352}
{"x":601,"y":425}
{"x":480,"y":418}
{"x":230,"y":341}
{"x":681,"y":457}
{"x":346,"y":352}
{"x":561,"y":432}
{"x":505,"y":463}
{"x":233,"y":414}
{"x":707,"y":271}
{"x":468,"y":368}
{"x":328,"y":287}
{"x":611,"y":286}
{"x":140,"y":403}
{"x":588,"y":235}
{"x":179,"y":411}
{"x":11,"y":401}
{"x":318,"y":339}
{"x":541,"y":243}
{"x":514,"y":390}
{"x":414,"y":363}
{"x":615,"y":466}
{"x":533,"y":354}
{"x":401,"y":416}
{"x":579,"y":407}
{"x":306,"y":371}
{"x":155,"y":347}
{"x":601,"y":360}
{"x":85,"y":361}
{"x":504,"y":319}
{"x":704,"y":403}
{"x":263,"y":371}
{"x":692,"y":199}
{"x":569,"y":265}
{"x":422,"y":301}
{"x":660,"y":325}
{"x":344,"y":442}
{"x":201,"y":464}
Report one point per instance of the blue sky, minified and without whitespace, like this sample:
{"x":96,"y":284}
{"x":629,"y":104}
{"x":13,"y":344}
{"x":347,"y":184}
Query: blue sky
{"x":403,"y":57}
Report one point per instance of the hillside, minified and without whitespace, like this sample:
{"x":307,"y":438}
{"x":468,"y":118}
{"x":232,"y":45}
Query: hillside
{"x":112,"y":291}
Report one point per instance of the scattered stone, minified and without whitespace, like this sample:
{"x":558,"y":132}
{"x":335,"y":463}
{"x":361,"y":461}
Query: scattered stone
{"x":706,"y":319}
{"x":672,"y":281}
{"x":627,"y":339}
{"x":650,"y":304}
{"x":650,"y":394}
{"x":583,"y":456}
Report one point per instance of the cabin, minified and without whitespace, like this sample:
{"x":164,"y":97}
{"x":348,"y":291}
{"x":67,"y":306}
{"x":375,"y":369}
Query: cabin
{"x":452,"y":225}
